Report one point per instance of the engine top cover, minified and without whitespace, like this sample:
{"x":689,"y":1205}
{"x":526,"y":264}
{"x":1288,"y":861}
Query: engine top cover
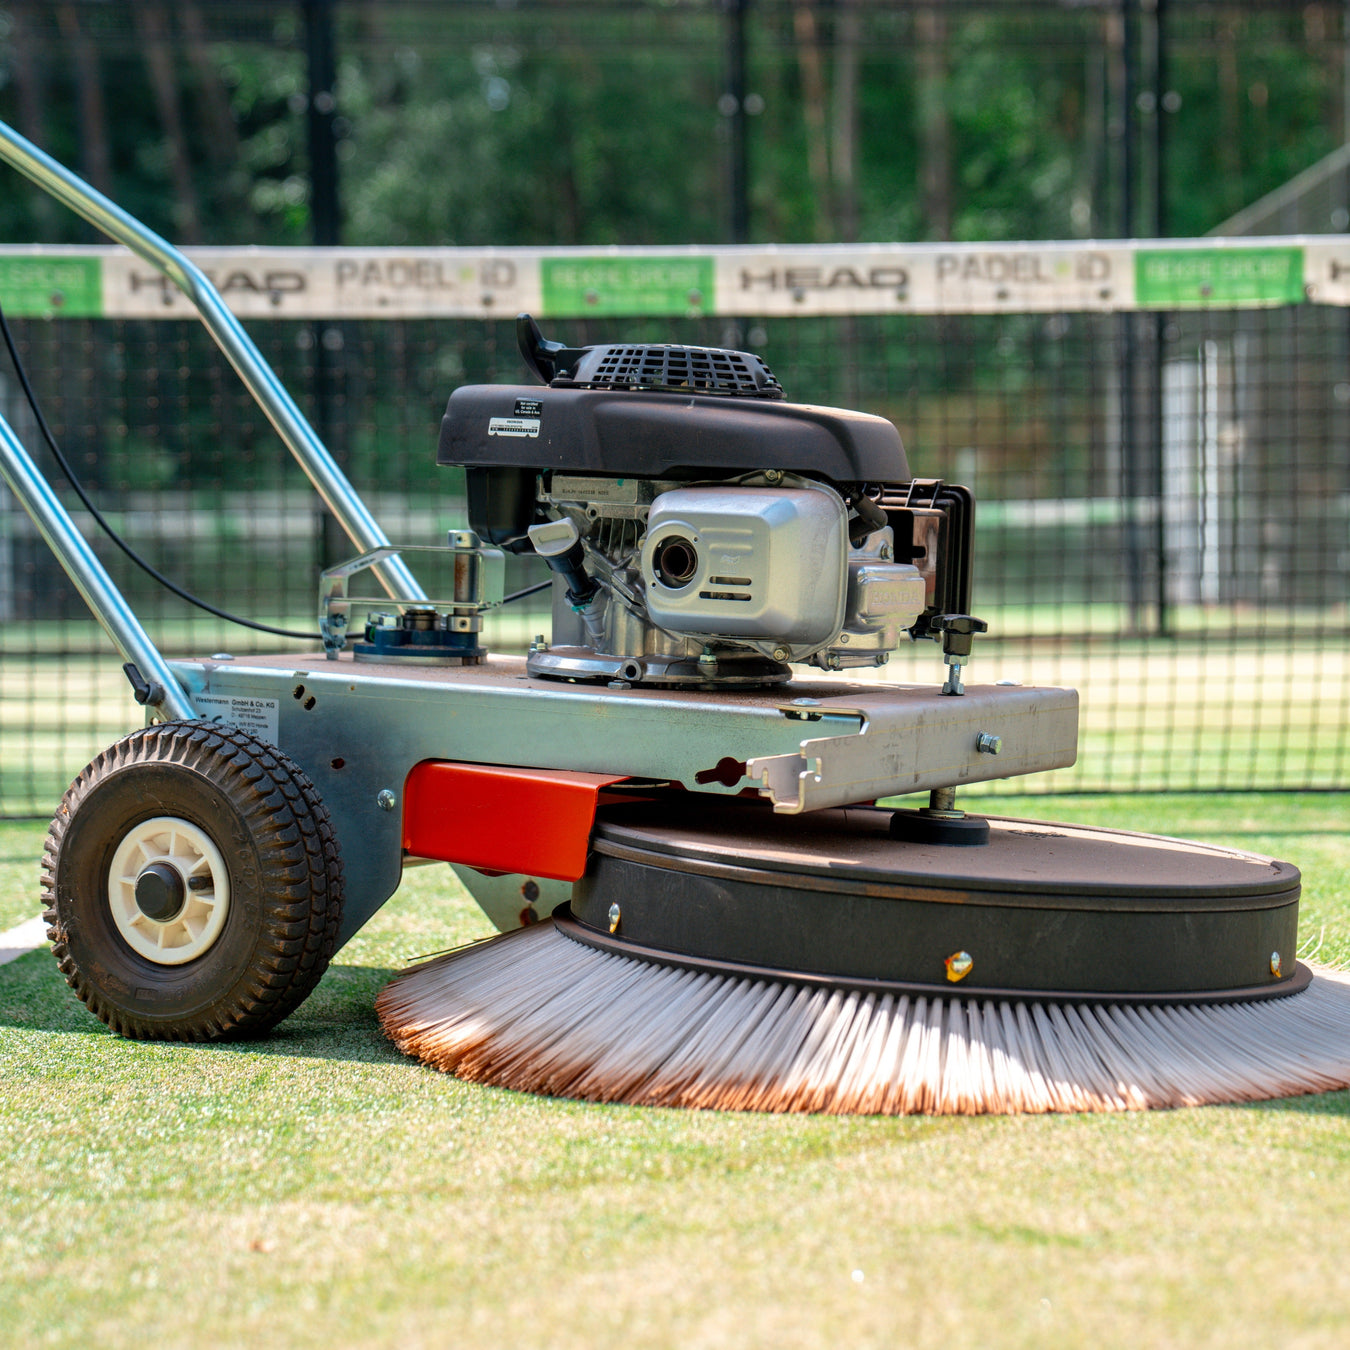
{"x":656,"y":434}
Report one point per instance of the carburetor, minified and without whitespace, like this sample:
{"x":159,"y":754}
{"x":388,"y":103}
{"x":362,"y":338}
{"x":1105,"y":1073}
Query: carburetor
{"x":701,"y":529}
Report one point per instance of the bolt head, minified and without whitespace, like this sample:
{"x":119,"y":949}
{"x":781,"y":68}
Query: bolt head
{"x":385,"y":799}
{"x":959,"y":965}
{"x":988,"y":744}
{"x":615,"y":914}
{"x":1276,"y":964}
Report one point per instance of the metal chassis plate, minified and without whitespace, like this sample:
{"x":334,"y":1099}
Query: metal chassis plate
{"x":357,"y":730}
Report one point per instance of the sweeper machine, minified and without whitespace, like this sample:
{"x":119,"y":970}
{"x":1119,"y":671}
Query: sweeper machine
{"x":669,"y":810}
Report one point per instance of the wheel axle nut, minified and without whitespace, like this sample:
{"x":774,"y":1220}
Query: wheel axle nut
{"x":160,"y":892}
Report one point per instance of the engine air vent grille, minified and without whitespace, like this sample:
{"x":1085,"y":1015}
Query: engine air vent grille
{"x":668,"y":368}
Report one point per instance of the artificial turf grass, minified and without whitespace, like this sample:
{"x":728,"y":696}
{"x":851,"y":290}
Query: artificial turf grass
{"x":282,"y":1200}
{"x":20,"y":857}
{"x":315,"y":1188}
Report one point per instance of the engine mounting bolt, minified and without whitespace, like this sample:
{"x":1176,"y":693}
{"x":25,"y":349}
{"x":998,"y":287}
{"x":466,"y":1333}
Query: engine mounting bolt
{"x":615,"y":914}
{"x":1276,"y":965}
{"x":958,"y":966}
{"x":988,"y":744}
{"x":385,"y":799}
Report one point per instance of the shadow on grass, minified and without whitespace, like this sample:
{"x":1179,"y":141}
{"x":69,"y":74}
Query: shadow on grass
{"x":336,"y":1022}
{"x":1319,"y":1103}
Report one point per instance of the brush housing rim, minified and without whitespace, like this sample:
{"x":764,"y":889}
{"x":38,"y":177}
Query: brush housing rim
{"x":1044,"y":911}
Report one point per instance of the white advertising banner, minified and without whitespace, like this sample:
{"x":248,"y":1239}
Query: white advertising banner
{"x":1326,"y":270}
{"x":924,"y":279}
{"x":740,"y":281}
{"x":334,"y":283}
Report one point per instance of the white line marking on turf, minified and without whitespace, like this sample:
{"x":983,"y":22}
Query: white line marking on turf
{"x":27,"y":937}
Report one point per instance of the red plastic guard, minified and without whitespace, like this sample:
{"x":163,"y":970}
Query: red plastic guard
{"x":533,"y":821}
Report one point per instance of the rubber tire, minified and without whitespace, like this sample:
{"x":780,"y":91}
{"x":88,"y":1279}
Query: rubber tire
{"x":285,"y":871}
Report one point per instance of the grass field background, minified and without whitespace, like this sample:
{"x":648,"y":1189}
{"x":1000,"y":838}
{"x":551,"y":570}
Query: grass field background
{"x":317,"y":1189}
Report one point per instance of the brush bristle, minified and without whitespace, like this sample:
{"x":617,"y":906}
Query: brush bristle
{"x":535,"y":1011}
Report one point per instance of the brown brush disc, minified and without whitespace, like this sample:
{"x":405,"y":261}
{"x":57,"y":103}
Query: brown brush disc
{"x":1085,"y":970}
{"x":538,"y":1012}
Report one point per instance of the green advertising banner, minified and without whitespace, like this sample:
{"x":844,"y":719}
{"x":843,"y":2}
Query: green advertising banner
{"x":40,"y":288}
{"x":573,"y":287}
{"x":1183,"y":278}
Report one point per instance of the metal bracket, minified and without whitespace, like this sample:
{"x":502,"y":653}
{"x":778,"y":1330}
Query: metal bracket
{"x":909,"y":740}
{"x":482,"y":589}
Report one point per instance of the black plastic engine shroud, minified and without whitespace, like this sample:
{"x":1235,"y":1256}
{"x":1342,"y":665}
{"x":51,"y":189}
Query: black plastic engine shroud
{"x":642,"y":434}
{"x":505,"y":435}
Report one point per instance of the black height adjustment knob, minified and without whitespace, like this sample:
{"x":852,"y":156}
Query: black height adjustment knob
{"x":958,"y":636}
{"x":958,"y":632}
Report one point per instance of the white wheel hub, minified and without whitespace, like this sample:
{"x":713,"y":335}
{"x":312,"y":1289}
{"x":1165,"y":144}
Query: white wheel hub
{"x":184,"y":890}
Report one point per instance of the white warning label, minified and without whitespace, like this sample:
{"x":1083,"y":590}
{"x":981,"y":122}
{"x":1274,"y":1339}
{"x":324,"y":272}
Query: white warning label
{"x":513,"y":426}
{"x":258,"y":715}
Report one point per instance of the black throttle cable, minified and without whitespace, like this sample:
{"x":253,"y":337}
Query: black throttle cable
{"x":529,"y":590}
{"x":126,"y":548}
{"x":107,"y":529}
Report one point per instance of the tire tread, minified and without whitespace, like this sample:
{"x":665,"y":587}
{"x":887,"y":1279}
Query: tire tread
{"x":303,"y":901}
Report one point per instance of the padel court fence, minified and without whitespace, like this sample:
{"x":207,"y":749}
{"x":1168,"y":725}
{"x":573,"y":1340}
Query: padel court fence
{"x":1158,"y":437}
